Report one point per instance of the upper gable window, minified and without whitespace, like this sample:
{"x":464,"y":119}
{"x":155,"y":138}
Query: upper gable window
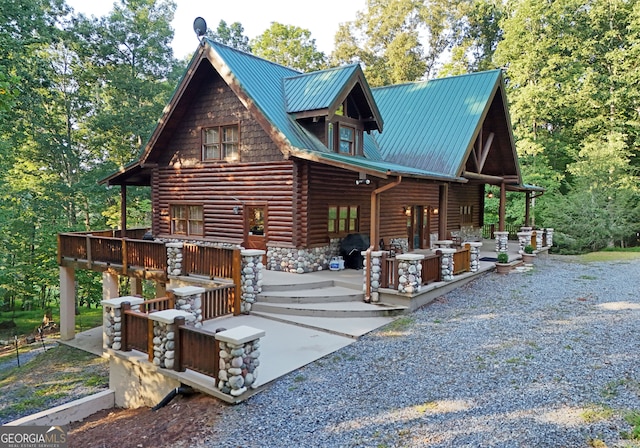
{"x":220,"y":143}
{"x":347,"y":140}
{"x":345,"y":137}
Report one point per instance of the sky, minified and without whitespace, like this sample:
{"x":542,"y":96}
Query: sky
{"x":321,"y":19}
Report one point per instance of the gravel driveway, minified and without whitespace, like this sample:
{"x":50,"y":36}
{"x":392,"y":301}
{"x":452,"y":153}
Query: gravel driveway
{"x":548,"y":358}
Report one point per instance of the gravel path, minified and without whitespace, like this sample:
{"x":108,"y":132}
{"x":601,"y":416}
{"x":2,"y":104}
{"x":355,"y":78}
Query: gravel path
{"x":548,"y":358}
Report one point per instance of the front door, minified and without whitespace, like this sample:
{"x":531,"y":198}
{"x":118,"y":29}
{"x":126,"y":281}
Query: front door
{"x":419,"y":227}
{"x":255,"y":227}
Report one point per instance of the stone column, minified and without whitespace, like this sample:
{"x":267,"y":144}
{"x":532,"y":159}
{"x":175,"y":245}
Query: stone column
{"x":374,"y":273}
{"x":502,"y":241}
{"x":174,"y":259}
{"x":189,"y":299}
{"x":474,"y":253}
{"x":252,"y":268}
{"x":164,"y":336}
{"x":524,"y":239}
{"x":446,"y":263}
{"x":239,"y":359}
{"x":409,"y":273}
{"x":112,"y":320}
{"x":549,"y":237}
{"x":67,"y":303}
{"x":539,"y":233}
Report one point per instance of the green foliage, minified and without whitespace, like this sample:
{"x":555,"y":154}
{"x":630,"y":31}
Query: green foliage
{"x":231,"y":35}
{"x":503,"y":257}
{"x":528,"y":249}
{"x":572,"y":83}
{"x":633,"y":418}
{"x":385,"y":39}
{"x":290,"y":46}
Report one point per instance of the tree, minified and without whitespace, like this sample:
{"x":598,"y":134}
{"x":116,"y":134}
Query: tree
{"x":398,"y":40}
{"x":476,"y":37}
{"x":232,"y":35}
{"x":572,"y":83}
{"x":289,"y":45}
{"x":131,"y":60}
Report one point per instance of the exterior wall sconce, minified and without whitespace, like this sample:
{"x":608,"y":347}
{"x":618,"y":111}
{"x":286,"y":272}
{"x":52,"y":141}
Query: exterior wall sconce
{"x":435,"y":211}
{"x":236,"y":210}
{"x":490,"y":194}
{"x":407,"y":211}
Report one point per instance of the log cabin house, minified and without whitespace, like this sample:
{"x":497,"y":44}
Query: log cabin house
{"x":250,"y":154}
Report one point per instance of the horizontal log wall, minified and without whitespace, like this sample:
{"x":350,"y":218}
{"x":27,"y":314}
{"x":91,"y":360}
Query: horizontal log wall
{"x":333,"y":186}
{"x":219,"y":191}
{"x":410,"y":192}
{"x":465,"y":195}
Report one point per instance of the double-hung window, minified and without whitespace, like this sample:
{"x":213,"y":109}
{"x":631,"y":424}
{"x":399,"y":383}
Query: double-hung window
{"x":220,"y":143}
{"x":187,"y":220}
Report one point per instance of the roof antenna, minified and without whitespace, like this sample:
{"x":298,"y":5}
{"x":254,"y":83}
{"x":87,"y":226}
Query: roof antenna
{"x":200,"y":27}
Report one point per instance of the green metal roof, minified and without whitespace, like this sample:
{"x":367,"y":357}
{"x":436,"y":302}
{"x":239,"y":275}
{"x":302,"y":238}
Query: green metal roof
{"x":262,"y":81}
{"x":316,"y":90}
{"x":430,"y":125}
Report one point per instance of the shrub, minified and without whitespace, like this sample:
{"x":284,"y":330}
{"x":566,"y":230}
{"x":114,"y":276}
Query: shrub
{"x":528,"y":249}
{"x":503,"y":257}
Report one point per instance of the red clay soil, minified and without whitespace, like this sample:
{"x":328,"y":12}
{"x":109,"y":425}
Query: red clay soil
{"x":183,"y":422}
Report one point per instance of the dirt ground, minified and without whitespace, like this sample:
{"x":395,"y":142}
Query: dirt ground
{"x":143,"y":427}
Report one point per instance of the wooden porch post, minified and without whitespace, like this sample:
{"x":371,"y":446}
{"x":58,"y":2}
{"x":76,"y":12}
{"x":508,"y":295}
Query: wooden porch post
{"x":374,"y":232}
{"x":123,"y":211}
{"x":503,"y":204}
{"x":527,"y":208}
{"x":443,"y":205}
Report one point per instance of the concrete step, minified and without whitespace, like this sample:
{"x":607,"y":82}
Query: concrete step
{"x":352,"y":327}
{"x":304,"y":294}
{"x":303,"y":283}
{"x":328,"y":309}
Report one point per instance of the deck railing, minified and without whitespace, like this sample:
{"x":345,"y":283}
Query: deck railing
{"x":431,"y":269}
{"x":136,"y":330}
{"x":100,"y":248}
{"x":389,"y":273}
{"x":462,"y":260}
{"x":213,"y":262}
{"x":196,"y":349}
{"x":219,"y":301}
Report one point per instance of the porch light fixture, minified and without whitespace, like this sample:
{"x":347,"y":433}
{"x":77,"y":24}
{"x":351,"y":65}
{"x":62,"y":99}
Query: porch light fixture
{"x":407,"y":211}
{"x":435,"y":211}
{"x":490,"y":194}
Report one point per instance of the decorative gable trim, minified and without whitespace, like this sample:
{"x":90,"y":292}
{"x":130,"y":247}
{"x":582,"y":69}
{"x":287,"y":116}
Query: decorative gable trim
{"x":322,"y":93}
